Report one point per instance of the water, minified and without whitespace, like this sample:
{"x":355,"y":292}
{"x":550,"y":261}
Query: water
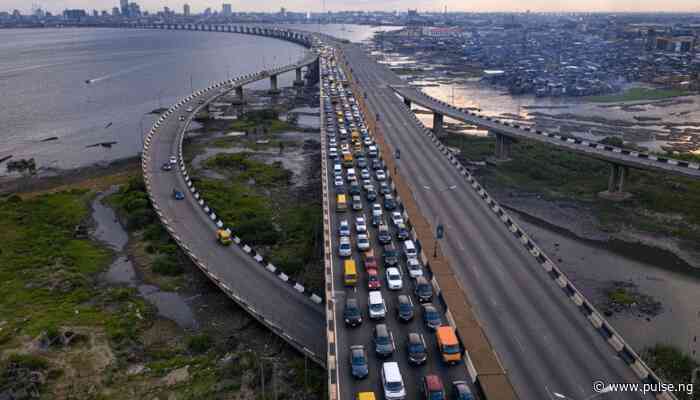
{"x":132,"y":72}
{"x":109,"y":231}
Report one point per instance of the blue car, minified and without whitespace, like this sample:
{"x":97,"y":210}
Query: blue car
{"x":358,"y":362}
{"x":178,"y":195}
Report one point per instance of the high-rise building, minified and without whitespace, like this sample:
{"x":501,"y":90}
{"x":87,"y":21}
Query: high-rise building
{"x":207,"y":11}
{"x":124,"y":7}
{"x":134,"y":10}
{"x":115,"y":11}
{"x":226,"y":10}
{"x":186,"y":10}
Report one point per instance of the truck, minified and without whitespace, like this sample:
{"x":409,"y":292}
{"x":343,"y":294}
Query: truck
{"x":448,"y":345}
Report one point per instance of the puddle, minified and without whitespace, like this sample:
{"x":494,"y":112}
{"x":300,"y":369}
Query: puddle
{"x":170,"y":305}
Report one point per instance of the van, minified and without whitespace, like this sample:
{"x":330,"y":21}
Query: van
{"x":448,"y":345}
{"x":341,"y":204}
{"x":377,"y":308}
{"x":392,"y":381}
{"x":349,"y":272}
{"x":366,"y":396}
{"x":410,"y":249}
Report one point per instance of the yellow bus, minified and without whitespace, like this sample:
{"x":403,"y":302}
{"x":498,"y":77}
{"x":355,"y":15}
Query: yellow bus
{"x":347,"y":159}
{"x":349,"y":273}
{"x":341,"y":203}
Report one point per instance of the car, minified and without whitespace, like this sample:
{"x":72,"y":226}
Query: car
{"x":404,"y":308}
{"x":377,"y":164}
{"x":181,"y":118}
{"x":390,"y":255}
{"x":389,"y":202}
{"x":461,"y":391}
{"x":371,"y":195}
{"x":178,"y":195}
{"x":189,"y":109}
{"x":373,"y":281}
{"x":383,"y":341}
{"x":370,"y":261}
{"x":423,"y":289}
{"x":392,"y":381}
{"x":167,"y":167}
{"x":332,"y":154}
{"x":376,"y":305}
{"x":360,"y":225}
{"x":351,"y":313}
{"x":364,"y":174}
{"x":344,"y":248}
{"x":362,"y":241}
{"x":432,"y":388}
{"x":367,"y":184}
{"x":172,"y":160}
{"x":383,"y":234}
{"x":393,"y":279}
{"x":344,"y":228}
{"x":339,"y":181}
{"x":376,"y":220}
{"x":361,"y":162}
{"x":377,"y":209}
{"x":402,"y":232}
{"x":368,"y":142}
{"x":416,"y":349}
{"x":396,"y":218}
{"x":380,"y":175}
{"x":414,"y":268}
{"x":356,"y":202}
{"x":355,"y":189}
{"x":431,"y":316}
{"x":358,"y":361}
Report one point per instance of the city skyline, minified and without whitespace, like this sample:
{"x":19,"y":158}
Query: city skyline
{"x":366,"y":5}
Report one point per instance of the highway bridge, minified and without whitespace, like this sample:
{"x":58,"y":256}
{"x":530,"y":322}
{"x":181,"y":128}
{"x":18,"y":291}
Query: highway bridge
{"x":549,"y":340}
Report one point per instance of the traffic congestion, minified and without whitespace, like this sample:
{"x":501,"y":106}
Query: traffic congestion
{"x":394,"y":341}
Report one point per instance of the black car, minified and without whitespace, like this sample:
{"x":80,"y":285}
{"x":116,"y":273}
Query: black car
{"x":167,"y":167}
{"x":384,"y":235}
{"x":377,"y":164}
{"x":371,"y":195}
{"x":402,"y":232}
{"x":389,"y":202}
{"x":352,"y":313}
{"x":417,"y":352}
{"x":405,"y":308}
{"x":391,"y":256}
{"x":361,"y":162}
{"x":423,"y":290}
{"x":384,"y":188}
{"x":355,"y":190}
{"x":358,"y":362}
{"x":431,"y":316}
{"x":461,"y":391}
{"x":383,"y":341}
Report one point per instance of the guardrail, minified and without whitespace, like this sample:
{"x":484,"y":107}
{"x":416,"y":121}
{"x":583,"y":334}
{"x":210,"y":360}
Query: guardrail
{"x":218,"y":223}
{"x":691,"y":169}
{"x":612,"y":337}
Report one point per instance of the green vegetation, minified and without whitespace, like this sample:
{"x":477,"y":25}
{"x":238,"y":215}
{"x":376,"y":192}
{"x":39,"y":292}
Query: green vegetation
{"x":199,"y":343}
{"x":661,"y":203}
{"x":637,"y":94}
{"x":132,"y":202}
{"x":672,"y":366}
{"x":265,"y":121}
{"x":264,"y":214}
{"x":621,"y":296}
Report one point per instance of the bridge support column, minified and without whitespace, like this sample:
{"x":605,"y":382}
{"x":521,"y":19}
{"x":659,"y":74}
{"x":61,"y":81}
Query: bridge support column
{"x":616,"y":183}
{"x":503,"y":144}
{"x":437,"y":124}
{"x":273,"y":85}
{"x":313,"y":73}
{"x":407,"y":102}
{"x":239,"y":96}
{"x":300,"y":80}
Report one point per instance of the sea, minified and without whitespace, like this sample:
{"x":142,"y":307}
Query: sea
{"x":49,"y":111}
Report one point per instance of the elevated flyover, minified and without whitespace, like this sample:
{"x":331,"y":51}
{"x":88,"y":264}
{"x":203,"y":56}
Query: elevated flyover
{"x":269,"y":295}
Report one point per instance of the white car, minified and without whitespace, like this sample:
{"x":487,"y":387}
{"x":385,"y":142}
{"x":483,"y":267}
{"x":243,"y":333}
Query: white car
{"x":360,"y":225}
{"x":332,"y":154}
{"x":364,"y":174}
{"x":339,"y":181}
{"x":393,"y":279}
{"x":376,"y":305}
{"x":414,"y":268}
{"x":381,"y":175}
{"x":190,"y":109}
{"x":363,"y":242}
{"x":172,"y":160}
{"x":344,"y":248}
{"x":396,"y":218}
{"x":377,"y":209}
{"x":344,"y":228}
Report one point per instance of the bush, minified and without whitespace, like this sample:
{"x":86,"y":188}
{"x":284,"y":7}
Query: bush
{"x":199,"y":343}
{"x":167,"y":265}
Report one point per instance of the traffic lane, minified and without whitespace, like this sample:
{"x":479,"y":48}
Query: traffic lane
{"x":412,"y":374}
{"x":306,"y":327}
{"x":555,"y":296}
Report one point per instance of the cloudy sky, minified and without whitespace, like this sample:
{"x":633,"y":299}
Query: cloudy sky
{"x":389,"y":5}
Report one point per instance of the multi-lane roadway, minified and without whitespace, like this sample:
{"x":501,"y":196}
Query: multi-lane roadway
{"x":544,"y":342}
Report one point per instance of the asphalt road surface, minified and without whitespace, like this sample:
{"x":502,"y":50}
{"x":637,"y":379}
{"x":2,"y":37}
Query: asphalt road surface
{"x":544,"y":342}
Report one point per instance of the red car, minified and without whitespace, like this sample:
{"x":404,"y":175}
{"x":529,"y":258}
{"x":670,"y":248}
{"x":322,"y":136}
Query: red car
{"x":373,"y":281}
{"x":371,"y":263}
{"x":433,"y":388}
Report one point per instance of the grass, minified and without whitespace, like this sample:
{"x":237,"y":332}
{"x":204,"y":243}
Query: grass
{"x":661,"y":203}
{"x":637,"y":94}
{"x":266,"y":121}
{"x":672,"y":366}
{"x":621,"y":296}
{"x":245,"y":168}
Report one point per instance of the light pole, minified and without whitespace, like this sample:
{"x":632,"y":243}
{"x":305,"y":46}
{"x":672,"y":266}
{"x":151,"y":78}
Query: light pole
{"x":439,"y":229}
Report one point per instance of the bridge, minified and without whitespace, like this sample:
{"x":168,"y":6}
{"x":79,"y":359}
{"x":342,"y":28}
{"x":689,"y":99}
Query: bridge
{"x":505,"y":132}
{"x":523,"y":324}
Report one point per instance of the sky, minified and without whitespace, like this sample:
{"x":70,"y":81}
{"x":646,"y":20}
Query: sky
{"x":386,"y":5}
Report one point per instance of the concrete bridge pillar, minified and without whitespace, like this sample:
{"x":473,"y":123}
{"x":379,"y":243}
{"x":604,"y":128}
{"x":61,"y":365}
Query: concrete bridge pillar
{"x":437,"y":124}
{"x":273,"y":85}
{"x":300,"y":80}
{"x":407,"y":102}
{"x":503,"y":145}
{"x":616,"y":183}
